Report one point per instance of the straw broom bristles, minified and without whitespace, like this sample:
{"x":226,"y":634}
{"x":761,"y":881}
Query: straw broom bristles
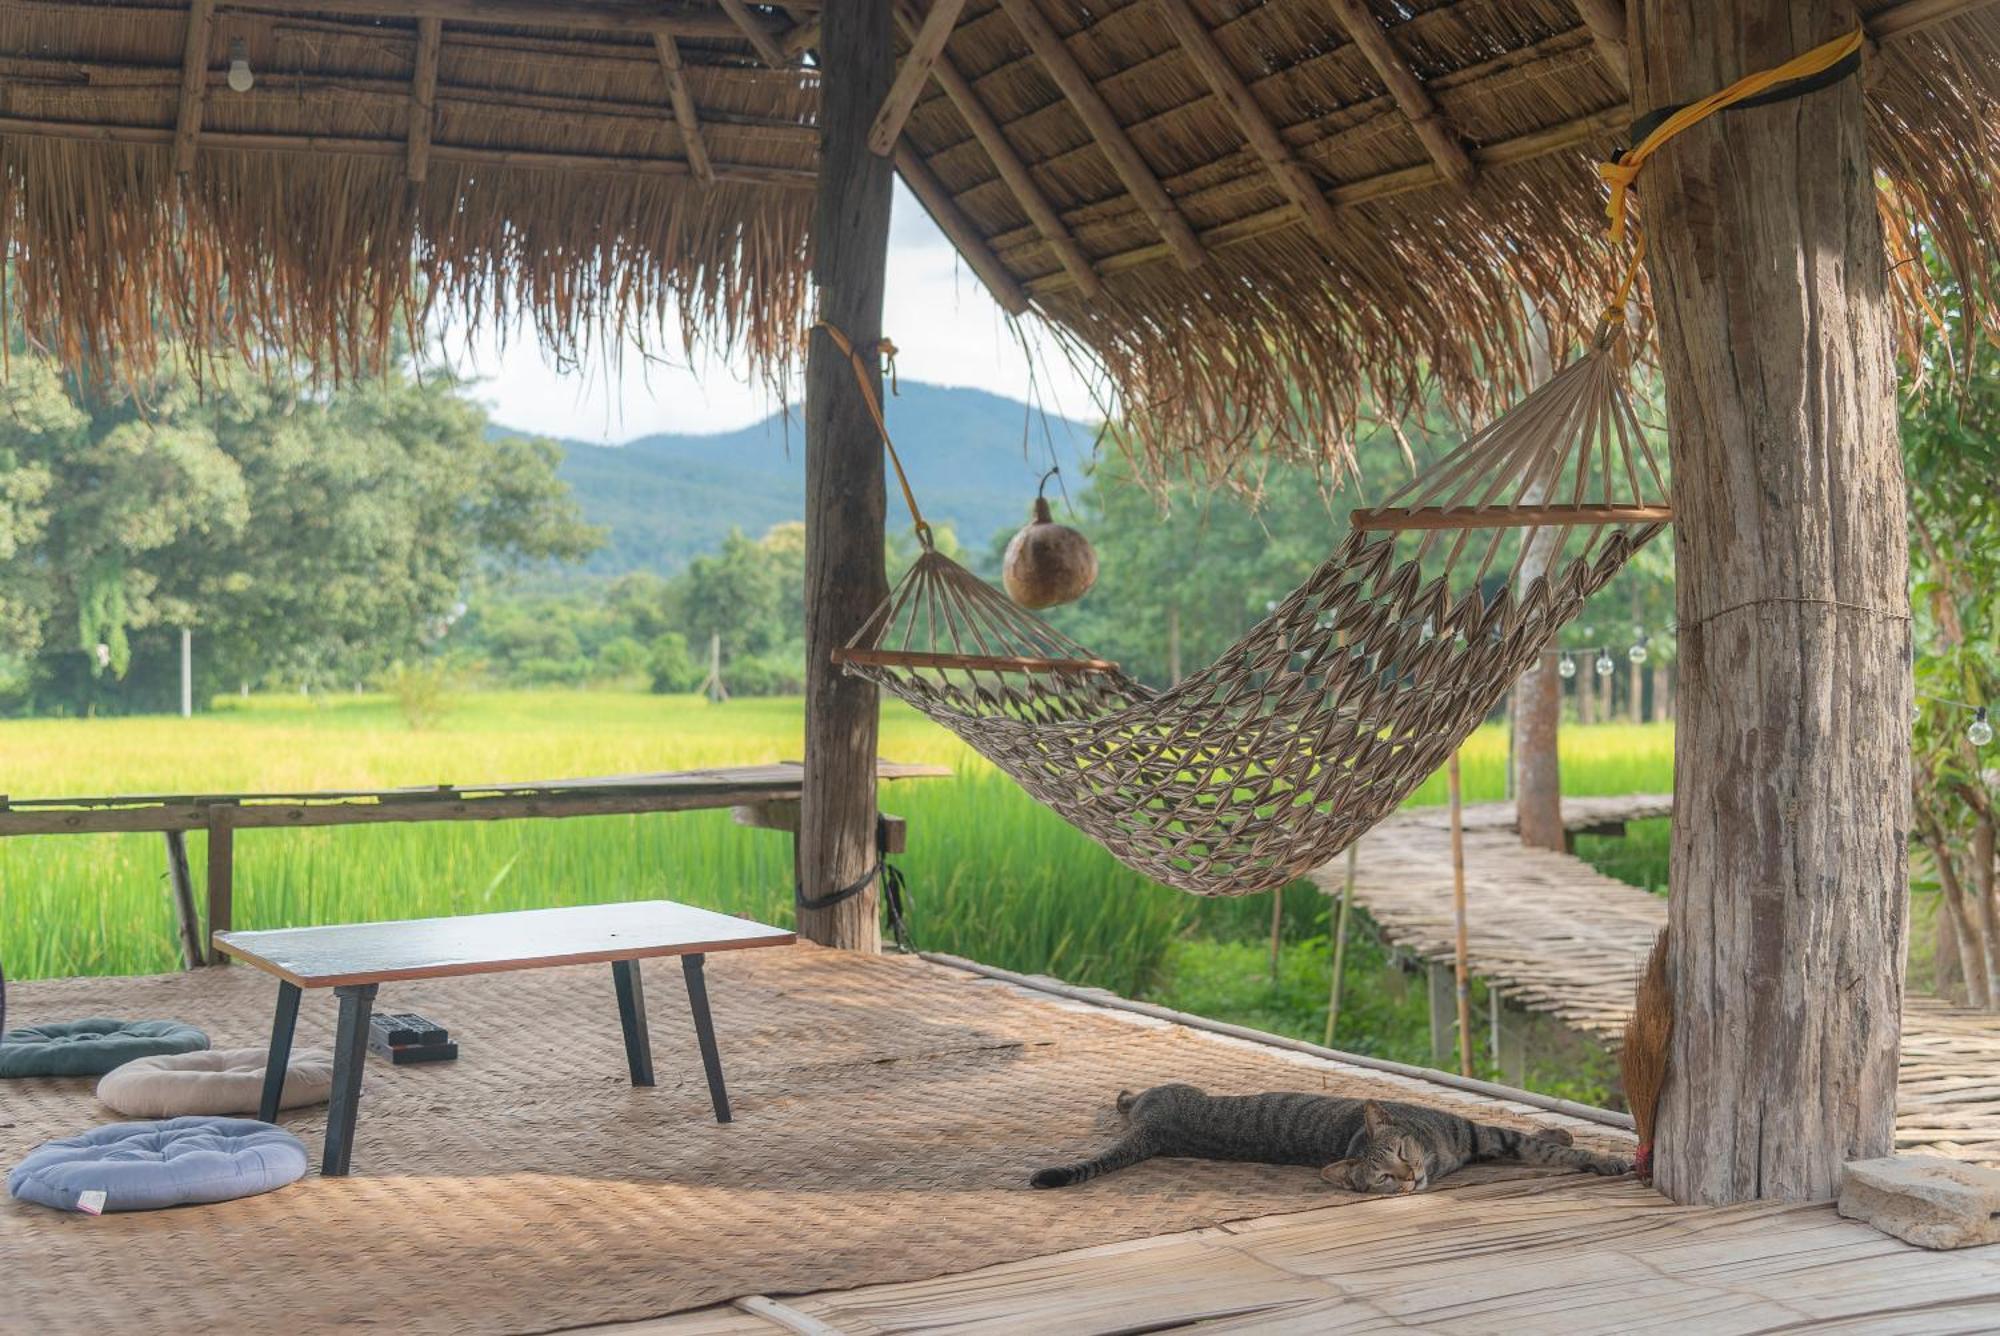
{"x":1642,"y":1062}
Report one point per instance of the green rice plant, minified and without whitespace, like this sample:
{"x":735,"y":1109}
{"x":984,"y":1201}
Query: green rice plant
{"x":993,"y":875}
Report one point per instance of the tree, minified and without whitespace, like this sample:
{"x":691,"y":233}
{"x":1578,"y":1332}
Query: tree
{"x":1792,"y":742}
{"x":307,"y":537}
{"x":1951,"y":448}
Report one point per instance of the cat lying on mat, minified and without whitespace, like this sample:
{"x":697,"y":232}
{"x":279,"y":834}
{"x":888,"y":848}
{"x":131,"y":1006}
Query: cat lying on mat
{"x":1360,"y":1145}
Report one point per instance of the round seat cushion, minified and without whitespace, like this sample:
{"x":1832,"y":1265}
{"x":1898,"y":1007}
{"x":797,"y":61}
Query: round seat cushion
{"x":147,"y":1166}
{"x":212,"y":1081}
{"x":91,"y":1047}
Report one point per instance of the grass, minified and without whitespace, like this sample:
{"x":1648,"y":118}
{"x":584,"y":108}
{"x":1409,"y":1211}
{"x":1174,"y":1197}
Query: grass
{"x":993,"y":875}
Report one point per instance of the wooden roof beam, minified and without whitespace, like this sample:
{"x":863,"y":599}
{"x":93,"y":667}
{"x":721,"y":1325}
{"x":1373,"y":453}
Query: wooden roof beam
{"x":802,"y":38}
{"x":194,"y":83}
{"x":926,"y":48}
{"x":761,"y":38}
{"x":685,"y":118}
{"x":944,"y":211}
{"x":1055,"y":233}
{"x":1102,"y":122}
{"x":1606,"y":21}
{"x":1197,"y":40}
{"x":423,"y":97}
{"x":1367,"y":33}
{"x":678,"y":19}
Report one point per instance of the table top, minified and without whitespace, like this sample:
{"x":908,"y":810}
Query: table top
{"x":353,"y":953}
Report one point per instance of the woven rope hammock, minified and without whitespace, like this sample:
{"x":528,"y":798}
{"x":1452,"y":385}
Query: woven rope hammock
{"x":1327,"y":714}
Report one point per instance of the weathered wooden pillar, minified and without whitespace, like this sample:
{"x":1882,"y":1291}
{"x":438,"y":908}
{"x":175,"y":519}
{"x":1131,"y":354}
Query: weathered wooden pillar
{"x":845,"y":580}
{"x":1537,"y":698}
{"x":1792,"y":765}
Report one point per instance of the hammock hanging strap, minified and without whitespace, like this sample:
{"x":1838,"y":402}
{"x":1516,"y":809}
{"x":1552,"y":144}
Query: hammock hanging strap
{"x":887,"y":349}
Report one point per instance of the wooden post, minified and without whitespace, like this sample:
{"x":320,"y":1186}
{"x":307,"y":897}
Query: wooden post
{"x":1340,"y":944}
{"x":221,"y":879}
{"x":1534,"y":765}
{"x":181,"y":882}
{"x":1792,"y":774}
{"x":845,"y":576}
{"x":1460,"y":966}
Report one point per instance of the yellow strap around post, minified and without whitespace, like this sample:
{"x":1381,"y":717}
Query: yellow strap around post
{"x":1623,"y":173}
{"x":867,"y":383}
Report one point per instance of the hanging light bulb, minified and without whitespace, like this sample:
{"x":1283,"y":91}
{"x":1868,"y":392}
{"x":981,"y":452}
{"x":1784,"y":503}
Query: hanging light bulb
{"x":1637,"y":653}
{"x":241,"y":78}
{"x":1979,"y":732}
{"x":1604,"y":664}
{"x":1566,"y":665}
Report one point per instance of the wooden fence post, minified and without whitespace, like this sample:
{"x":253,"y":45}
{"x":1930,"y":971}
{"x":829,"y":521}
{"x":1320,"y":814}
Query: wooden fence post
{"x":221,"y":878}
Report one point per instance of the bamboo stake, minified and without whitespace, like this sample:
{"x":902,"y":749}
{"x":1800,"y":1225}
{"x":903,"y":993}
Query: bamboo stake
{"x":686,"y":119}
{"x":1340,"y":944}
{"x":1277,"y":928}
{"x":423,"y":97}
{"x":1464,"y":976}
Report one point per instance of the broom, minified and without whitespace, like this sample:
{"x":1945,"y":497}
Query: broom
{"x":1642,"y":1062}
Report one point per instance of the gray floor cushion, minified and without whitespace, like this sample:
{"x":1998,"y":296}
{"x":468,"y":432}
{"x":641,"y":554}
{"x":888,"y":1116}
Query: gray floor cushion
{"x":147,"y":1166}
{"x":214,"y":1081}
{"x":91,"y":1047}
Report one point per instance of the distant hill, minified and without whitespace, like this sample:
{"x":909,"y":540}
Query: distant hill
{"x":667,"y":498}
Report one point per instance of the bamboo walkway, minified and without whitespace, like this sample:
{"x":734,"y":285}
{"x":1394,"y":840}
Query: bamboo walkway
{"x":1551,"y":934}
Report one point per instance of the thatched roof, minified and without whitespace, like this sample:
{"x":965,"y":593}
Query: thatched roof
{"x":1250,"y":212}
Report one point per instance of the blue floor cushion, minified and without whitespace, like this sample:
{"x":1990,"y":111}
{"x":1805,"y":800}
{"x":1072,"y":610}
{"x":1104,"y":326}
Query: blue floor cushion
{"x":91,"y":1047}
{"x":147,"y":1166}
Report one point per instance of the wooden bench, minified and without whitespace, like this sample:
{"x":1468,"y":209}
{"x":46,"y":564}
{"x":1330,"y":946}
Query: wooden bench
{"x":355,"y":959}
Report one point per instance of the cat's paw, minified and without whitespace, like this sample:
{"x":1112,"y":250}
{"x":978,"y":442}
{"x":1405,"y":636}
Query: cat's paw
{"x":1608,"y":1165}
{"x":1558,"y":1135}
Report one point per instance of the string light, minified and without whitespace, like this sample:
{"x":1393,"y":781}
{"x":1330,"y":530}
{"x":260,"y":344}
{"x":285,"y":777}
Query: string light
{"x":241,"y":78}
{"x":1979,"y":732}
{"x":1604,"y":664}
{"x":1637,"y":653}
{"x":1566,"y":666}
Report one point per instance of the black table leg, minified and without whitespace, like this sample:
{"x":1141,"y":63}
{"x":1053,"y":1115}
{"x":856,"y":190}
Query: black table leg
{"x":350,"y":1052}
{"x":632,"y":1019}
{"x":704,"y":1032}
{"x":280,"y":1056}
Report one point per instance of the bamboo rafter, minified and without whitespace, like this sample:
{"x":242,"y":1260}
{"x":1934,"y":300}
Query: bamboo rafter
{"x":194,"y":83}
{"x":423,"y":96}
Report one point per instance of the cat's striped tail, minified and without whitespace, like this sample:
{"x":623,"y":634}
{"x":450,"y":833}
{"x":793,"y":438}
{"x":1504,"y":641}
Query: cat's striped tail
{"x":1121,"y":1156}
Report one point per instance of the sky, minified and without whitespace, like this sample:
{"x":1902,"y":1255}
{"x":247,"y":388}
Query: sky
{"x":948,"y":329}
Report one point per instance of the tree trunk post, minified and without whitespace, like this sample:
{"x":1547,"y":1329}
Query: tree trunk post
{"x":1536,"y":770}
{"x":845,"y":578}
{"x":1792,"y":760}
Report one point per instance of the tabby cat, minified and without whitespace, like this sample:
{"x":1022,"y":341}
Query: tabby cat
{"x":1361,"y":1145}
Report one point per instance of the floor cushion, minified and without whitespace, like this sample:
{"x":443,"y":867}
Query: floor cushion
{"x":212,"y":1081}
{"x":91,"y":1047}
{"x":147,"y":1166}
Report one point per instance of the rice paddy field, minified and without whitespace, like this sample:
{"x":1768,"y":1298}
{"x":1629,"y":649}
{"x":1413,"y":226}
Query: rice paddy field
{"x":992,"y":875}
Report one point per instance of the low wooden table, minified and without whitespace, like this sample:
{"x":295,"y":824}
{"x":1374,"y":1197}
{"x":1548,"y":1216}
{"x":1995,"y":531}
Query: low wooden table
{"x":354,"y":959}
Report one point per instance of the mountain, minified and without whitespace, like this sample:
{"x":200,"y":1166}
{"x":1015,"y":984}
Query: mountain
{"x":973,"y":459}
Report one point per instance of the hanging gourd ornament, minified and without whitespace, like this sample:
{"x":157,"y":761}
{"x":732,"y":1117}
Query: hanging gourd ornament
{"x":1047,"y":563}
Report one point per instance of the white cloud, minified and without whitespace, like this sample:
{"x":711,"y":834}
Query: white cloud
{"x":941,"y":317}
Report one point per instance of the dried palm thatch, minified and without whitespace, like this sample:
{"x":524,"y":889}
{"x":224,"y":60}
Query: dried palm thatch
{"x":1254,"y":214}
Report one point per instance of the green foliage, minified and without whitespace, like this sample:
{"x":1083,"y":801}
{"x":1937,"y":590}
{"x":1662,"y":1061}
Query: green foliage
{"x":422,"y":690}
{"x":306,"y":538}
{"x":671,"y":668}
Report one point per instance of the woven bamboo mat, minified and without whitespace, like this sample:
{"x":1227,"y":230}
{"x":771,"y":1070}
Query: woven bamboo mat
{"x":888,"y":1113}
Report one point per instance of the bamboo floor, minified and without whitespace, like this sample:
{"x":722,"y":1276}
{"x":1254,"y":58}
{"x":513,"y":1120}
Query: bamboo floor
{"x":1552,"y":934}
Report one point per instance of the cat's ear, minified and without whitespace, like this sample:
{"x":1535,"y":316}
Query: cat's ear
{"x":1374,"y":1117}
{"x":1341,"y":1174}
